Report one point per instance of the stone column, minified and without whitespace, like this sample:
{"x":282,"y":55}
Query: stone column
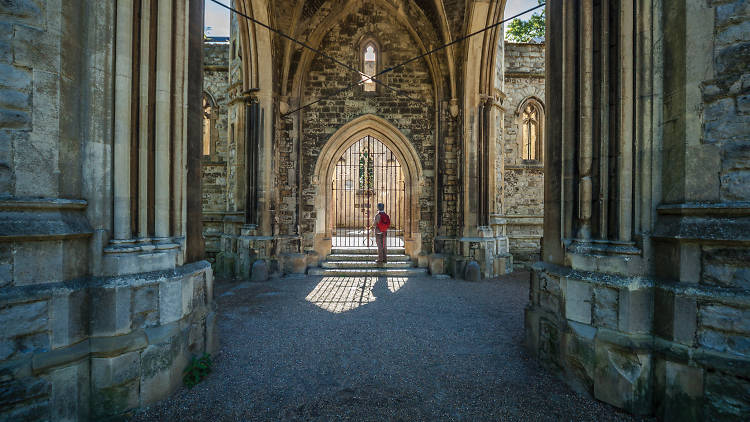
{"x":122,"y":119}
{"x":586,"y":141}
{"x":145,"y":124}
{"x":625,"y":158}
{"x":178,"y":135}
{"x":163,"y":119}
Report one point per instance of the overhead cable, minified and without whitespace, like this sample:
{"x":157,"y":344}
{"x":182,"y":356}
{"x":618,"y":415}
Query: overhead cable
{"x":314,"y":50}
{"x":402,"y":64}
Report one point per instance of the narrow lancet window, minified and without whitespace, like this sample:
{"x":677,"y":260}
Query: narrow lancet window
{"x":207,"y":125}
{"x":530,"y":132}
{"x":370,"y":66}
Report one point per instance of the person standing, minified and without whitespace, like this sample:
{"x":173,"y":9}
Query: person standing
{"x":381,"y":223}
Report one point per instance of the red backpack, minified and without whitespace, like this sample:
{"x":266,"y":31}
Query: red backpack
{"x":384,"y":222}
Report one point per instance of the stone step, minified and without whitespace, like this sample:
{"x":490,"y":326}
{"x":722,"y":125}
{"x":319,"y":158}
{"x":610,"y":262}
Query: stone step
{"x":364,"y":264}
{"x":368,"y":272}
{"x":351,"y":250}
{"x":367,"y":257}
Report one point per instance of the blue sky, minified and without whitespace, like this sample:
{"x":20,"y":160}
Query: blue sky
{"x":217,"y":17}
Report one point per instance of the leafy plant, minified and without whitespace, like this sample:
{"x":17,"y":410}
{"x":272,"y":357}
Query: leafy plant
{"x":525,"y":31}
{"x":197,"y":369}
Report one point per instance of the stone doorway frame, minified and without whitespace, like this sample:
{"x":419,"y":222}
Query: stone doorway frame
{"x":337,"y":144}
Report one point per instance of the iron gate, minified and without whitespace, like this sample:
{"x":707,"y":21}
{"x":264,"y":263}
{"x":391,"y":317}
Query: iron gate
{"x":366,"y":174}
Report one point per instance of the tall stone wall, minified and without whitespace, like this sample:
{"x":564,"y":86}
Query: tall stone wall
{"x":643,"y":294}
{"x":90,"y":328}
{"x":214,"y":166}
{"x":415,"y":119}
{"x":523,"y":200}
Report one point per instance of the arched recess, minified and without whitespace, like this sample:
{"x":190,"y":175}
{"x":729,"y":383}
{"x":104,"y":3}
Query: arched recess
{"x":538,"y":106}
{"x":482,"y":116}
{"x":421,"y":39}
{"x":385,"y":132}
{"x":253,"y":101}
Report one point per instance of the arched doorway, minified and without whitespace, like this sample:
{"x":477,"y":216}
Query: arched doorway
{"x":366,"y":174}
{"x":402,"y":201}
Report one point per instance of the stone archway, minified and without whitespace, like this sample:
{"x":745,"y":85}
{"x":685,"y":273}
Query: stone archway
{"x":395,"y":141}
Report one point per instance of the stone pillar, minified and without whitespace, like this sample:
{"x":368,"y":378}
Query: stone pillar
{"x":627,"y":129}
{"x":144,"y":135}
{"x":586,"y":142}
{"x":163,"y":121}
{"x":122,"y":119}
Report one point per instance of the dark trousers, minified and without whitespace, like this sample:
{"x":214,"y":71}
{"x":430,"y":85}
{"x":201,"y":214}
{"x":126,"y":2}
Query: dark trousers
{"x":380,"y":240}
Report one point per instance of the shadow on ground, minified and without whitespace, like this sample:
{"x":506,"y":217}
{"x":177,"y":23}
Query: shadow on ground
{"x":314,"y":348}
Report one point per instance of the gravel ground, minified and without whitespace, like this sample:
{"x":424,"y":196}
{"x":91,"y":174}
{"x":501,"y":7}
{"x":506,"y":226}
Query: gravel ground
{"x":375,"y":349}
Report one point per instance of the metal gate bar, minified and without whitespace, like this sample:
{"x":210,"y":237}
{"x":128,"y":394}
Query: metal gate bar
{"x":367,"y":173}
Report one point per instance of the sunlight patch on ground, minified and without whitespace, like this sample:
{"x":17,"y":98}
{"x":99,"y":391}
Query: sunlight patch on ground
{"x":395,"y":283}
{"x":341,"y":294}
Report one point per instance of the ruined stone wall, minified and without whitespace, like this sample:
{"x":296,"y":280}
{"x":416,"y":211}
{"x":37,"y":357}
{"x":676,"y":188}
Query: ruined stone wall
{"x":647,"y":311}
{"x":214,"y":166}
{"x":76,"y":342}
{"x":523,"y":200}
{"x":415,"y":119}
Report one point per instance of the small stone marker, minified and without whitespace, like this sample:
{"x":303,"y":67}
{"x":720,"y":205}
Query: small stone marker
{"x":473,"y":272}
{"x":260,"y":271}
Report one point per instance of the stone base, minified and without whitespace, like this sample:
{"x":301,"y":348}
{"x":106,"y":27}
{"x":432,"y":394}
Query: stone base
{"x":642,"y":346}
{"x":94,"y":349}
{"x":491,"y":253}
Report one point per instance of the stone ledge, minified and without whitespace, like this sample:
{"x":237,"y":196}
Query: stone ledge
{"x":701,"y":356}
{"x":596,"y":278}
{"x":27,"y":219}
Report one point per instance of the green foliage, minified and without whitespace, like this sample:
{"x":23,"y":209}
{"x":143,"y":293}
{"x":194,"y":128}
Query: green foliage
{"x":525,"y":31}
{"x":197,"y":369}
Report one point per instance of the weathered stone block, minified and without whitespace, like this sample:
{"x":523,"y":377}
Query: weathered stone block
{"x":70,"y":386}
{"x":170,"y":301}
{"x":578,"y":300}
{"x":623,"y":378}
{"x":110,"y":308}
{"x":580,"y":356}
{"x":294,"y":263}
{"x":722,"y":317}
{"x":423,"y":260}
{"x":736,"y":344}
{"x":188,"y":293}
{"x":114,"y":400}
{"x":146,"y":306}
{"x":605,"y":307}
{"x":162,"y":366}
{"x":678,"y":391}
{"x":727,"y":397}
{"x":259,"y":271}
{"x":635,"y":314}
{"x":437,"y":264}
{"x":24,"y":318}
{"x":106,"y":372}
{"x":685,"y":320}
{"x":472,"y":272}
{"x":38,"y":262}
{"x":16,"y":391}
{"x":70,"y":313}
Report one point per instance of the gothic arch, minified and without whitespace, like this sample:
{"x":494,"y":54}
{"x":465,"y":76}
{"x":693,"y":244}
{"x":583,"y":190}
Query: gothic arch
{"x":339,"y":142}
{"x":539,"y":147}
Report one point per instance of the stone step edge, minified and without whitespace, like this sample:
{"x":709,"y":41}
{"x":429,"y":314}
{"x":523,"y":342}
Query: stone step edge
{"x":364,"y":257}
{"x":368,"y":272}
{"x":364,"y":264}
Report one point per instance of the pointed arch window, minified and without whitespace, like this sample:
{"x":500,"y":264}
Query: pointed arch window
{"x":531,"y":120}
{"x":370,"y":54}
{"x":210,"y":133}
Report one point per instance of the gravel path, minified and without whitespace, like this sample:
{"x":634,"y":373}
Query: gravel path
{"x":375,"y":349}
